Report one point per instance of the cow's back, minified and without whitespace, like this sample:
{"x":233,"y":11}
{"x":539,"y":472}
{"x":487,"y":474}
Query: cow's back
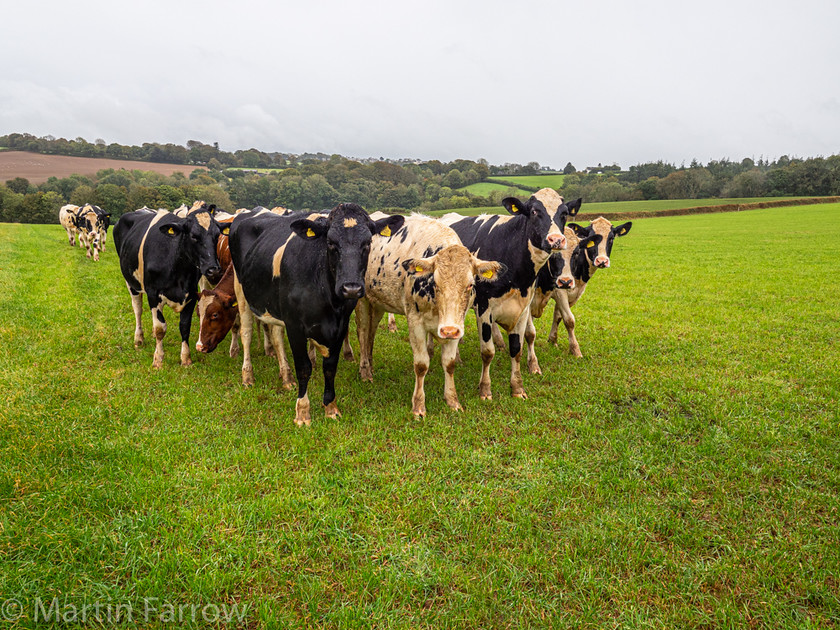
{"x":130,"y":235}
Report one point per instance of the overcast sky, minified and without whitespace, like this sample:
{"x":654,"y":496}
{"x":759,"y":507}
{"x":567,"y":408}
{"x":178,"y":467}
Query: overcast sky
{"x":587,"y":82}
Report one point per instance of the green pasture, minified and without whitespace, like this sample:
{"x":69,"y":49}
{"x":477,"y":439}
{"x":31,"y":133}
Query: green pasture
{"x":540,"y":181}
{"x":684,"y":474}
{"x":483,"y":189}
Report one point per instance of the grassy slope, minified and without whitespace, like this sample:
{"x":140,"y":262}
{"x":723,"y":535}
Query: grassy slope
{"x":485,"y":188}
{"x":541,"y":181}
{"x":683,"y":474}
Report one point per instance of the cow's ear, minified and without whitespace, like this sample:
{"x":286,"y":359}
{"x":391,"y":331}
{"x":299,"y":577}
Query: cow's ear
{"x":172,"y":229}
{"x":578,"y":229}
{"x":574,"y":206}
{"x":621,"y":230}
{"x":387,"y":226}
{"x":590,"y":241}
{"x":514,"y":205}
{"x":306,"y":228}
{"x":231,"y":302}
{"x":488,"y":270}
{"x":419,"y":266}
{"x":212,"y":209}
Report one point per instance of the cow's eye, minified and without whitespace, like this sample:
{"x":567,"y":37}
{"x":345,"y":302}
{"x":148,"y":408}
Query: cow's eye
{"x":214,"y":316}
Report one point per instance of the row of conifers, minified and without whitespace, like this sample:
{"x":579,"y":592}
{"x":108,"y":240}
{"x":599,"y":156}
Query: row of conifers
{"x":302,"y":275}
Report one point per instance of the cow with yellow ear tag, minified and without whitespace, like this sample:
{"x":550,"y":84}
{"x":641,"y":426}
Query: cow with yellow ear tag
{"x":424,"y":273}
{"x":592,"y":254}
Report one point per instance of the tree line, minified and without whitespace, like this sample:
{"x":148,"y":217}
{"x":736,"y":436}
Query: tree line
{"x":316,"y":181}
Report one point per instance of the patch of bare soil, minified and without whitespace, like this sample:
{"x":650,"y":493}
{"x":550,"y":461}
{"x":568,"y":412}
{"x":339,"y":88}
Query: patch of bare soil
{"x":38,"y":168}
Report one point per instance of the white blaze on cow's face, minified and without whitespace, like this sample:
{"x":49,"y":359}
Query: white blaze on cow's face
{"x":448,"y":280}
{"x":552,"y":201}
{"x":600,"y":259}
{"x":561,"y":263}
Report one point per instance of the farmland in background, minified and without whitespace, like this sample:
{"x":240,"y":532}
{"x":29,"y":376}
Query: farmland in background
{"x":684,"y":473}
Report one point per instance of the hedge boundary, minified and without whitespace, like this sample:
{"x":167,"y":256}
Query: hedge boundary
{"x":729,"y":207}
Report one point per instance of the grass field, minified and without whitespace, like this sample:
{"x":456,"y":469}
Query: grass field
{"x":684,"y":474}
{"x":540,"y":181}
{"x":638,"y":207}
{"x":484,"y":189}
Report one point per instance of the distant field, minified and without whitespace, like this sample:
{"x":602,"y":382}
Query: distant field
{"x":636,"y":207}
{"x":540,"y":181}
{"x":684,"y":474}
{"x":483,"y":189}
{"x":38,"y":168}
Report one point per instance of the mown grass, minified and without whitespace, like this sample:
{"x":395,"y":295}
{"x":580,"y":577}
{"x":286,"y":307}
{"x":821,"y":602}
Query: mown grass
{"x":484,"y":189}
{"x":540,"y":181}
{"x":683,"y":474}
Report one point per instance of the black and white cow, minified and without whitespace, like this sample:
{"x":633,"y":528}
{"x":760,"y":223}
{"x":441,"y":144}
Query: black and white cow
{"x":304,"y":274}
{"x":593,"y":253}
{"x":67,"y":217}
{"x":163,"y":256}
{"x":522,"y":242}
{"x":424,"y":273}
{"x":92,"y":223}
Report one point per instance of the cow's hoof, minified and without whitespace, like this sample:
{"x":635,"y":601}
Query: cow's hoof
{"x":186,"y":362}
{"x":269,"y":352}
{"x":392,"y":328}
{"x":331,"y":411}
{"x":520,"y":394}
{"x":233,"y":352}
{"x":534,"y":368}
{"x":157,"y":363}
{"x":138,"y":343}
{"x":456,"y":407}
{"x":552,"y":340}
{"x":348,"y":356}
{"x":419,"y":415}
{"x":247,"y":378}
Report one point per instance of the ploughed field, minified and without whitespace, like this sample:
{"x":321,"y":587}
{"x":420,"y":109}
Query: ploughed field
{"x":684,"y":473}
{"x":39,"y":167}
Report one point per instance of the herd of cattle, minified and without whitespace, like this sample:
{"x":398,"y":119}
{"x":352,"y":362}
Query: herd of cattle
{"x":303,"y":274}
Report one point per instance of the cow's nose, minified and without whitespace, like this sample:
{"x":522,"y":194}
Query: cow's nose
{"x":214,"y":274}
{"x":556,"y":241}
{"x":199,"y":346}
{"x":352,"y":290}
{"x":565,"y":283}
{"x":449,"y":332}
{"x":602,"y":262}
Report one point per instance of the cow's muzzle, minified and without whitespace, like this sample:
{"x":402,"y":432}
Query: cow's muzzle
{"x":602,"y":262}
{"x":565,"y":283}
{"x":214,"y":274}
{"x":352,"y":291}
{"x":449,"y":332}
{"x":556,"y":241}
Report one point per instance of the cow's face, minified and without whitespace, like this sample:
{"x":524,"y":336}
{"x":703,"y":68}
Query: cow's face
{"x":448,"y":279}
{"x":560,"y":264}
{"x":198,"y":234}
{"x":547,"y":213}
{"x":216,"y":315}
{"x":599,"y":256}
{"x":347,"y":232}
{"x":91,"y":224}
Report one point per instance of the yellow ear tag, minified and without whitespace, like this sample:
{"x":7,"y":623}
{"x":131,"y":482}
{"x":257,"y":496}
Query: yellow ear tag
{"x":225,"y":231}
{"x":623,"y":232}
{"x":418,"y":269}
{"x":234,"y":304}
{"x":590,"y":244}
{"x":310,"y":232}
{"x":386,"y":231}
{"x":171,"y":231}
{"x":488,"y":273}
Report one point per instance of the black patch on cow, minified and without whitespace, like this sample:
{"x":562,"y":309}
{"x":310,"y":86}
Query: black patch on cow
{"x":424,"y":287}
{"x":515,"y":344}
{"x":382,"y":261}
{"x":159,"y":316}
{"x":486,"y":332}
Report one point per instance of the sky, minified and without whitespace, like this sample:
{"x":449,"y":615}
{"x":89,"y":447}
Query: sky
{"x":529,"y":81}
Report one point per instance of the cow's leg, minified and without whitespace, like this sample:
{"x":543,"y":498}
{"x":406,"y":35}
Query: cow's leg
{"x":70,"y":237}
{"x":329,"y":365}
{"x":498,"y":340}
{"x":276,"y":333}
{"x":234,"y":338}
{"x":448,"y":350}
{"x":565,"y":312}
{"x":87,"y":246}
{"x":488,"y":351}
{"x":137,"y":307}
{"x":268,"y":344}
{"x":430,"y":345}
{"x":102,"y":235}
{"x":555,"y":319}
{"x":158,"y":328}
{"x":184,"y":325}
{"x":392,"y":323}
{"x":347,"y":349}
{"x":530,"y":338}
{"x":418,"y":338}
{"x":303,"y":371}
{"x":367,"y":320}
{"x":246,"y":328}
{"x":515,"y":341}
